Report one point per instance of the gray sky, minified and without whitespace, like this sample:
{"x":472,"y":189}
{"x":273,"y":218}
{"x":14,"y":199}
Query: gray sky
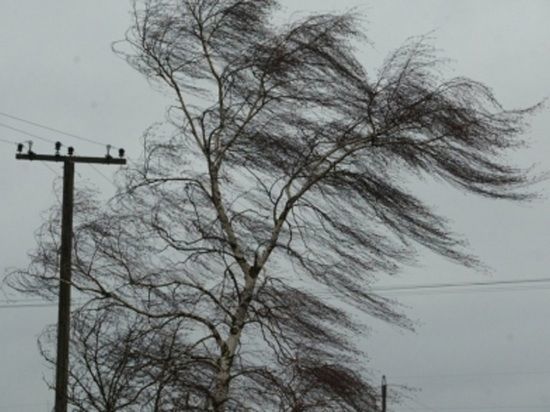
{"x":475,"y":349}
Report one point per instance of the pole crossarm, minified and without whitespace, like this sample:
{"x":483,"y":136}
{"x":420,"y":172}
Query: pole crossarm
{"x":73,"y":159}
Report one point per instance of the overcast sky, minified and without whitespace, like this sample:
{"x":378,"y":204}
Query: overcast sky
{"x":475,"y":349}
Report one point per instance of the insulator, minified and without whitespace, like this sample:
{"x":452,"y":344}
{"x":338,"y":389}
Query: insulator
{"x":70,"y":150}
{"x":19,"y":147}
{"x":57,"y":147}
{"x":121,"y":153}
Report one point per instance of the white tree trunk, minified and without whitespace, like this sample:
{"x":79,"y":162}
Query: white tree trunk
{"x":225,"y":361}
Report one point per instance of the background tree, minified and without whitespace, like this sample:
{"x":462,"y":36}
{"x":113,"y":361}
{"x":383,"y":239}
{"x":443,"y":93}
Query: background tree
{"x":282,"y":177}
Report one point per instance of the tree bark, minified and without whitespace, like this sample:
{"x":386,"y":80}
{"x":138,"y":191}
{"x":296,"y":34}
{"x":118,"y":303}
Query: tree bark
{"x":230,"y":345}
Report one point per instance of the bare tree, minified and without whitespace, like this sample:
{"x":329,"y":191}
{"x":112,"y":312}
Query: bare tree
{"x":280,"y":178}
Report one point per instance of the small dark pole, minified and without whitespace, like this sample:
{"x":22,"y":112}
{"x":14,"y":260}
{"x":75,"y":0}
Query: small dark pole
{"x":384,"y":393}
{"x":64,"y":308}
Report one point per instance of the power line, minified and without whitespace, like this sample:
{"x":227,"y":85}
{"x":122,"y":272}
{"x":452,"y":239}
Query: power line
{"x":32,"y":302}
{"x":436,"y":288}
{"x":105,"y":177}
{"x":461,"y":284}
{"x":10,"y":142}
{"x":487,"y":408}
{"x":15,"y":129}
{"x":422,"y":405}
{"x":401,"y":378}
{"x":25,"y":300}
{"x":526,"y":288}
{"x":50,"y":168}
{"x":28,"y":305}
{"x":16,"y":406}
{"x":52,"y":129}
{"x":516,"y":285}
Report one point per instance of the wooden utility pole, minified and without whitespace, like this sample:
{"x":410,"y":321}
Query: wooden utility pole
{"x":64,"y":305}
{"x":384,"y":393}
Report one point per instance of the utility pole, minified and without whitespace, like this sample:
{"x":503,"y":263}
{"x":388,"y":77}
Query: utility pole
{"x":384,"y":393}
{"x":64,"y":305}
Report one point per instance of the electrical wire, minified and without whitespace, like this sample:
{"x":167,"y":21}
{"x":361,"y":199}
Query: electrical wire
{"x":15,"y":129}
{"x":42,"y":163}
{"x":105,"y":177}
{"x":55,"y":172}
{"x":489,"y":408}
{"x":438,"y":286}
{"x":461,"y":284}
{"x":31,"y":303}
{"x":409,"y":289}
{"x":470,"y":290}
{"x":17,"y":406}
{"x":382,"y":289}
{"x":10,"y":142}
{"x":422,"y":405}
{"x":27,"y":305}
{"x":51,"y":129}
{"x":516,"y":285}
{"x":401,"y":378}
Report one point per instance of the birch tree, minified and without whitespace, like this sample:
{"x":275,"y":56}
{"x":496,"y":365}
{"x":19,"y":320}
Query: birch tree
{"x":217,"y":279}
